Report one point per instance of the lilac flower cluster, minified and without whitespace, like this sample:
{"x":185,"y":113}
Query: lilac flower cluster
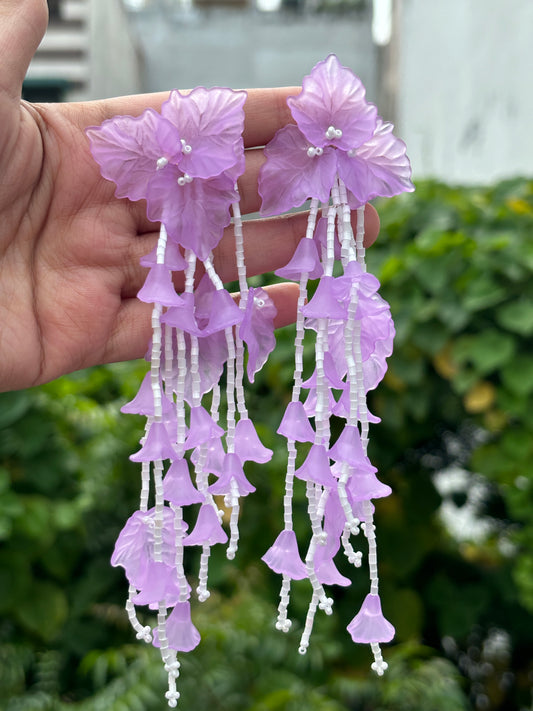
{"x":184,"y":162}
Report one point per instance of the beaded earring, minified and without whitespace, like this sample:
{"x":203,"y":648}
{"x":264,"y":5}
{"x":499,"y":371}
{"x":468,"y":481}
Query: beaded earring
{"x":185,"y":161}
{"x":339,"y":154}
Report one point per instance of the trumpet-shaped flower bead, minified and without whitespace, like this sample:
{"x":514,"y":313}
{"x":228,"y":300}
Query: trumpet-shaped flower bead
{"x":334,"y":521}
{"x":348,"y":448}
{"x":202,"y":428}
{"x":305,"y":260}
{"x":182,"y":635}
{"x":213,"y":353}
{"x":369,"y":625}
{"x":342,"y":408}
{"x":295,"y":425}
{"x":178,"y":487}
{"x":378,"y":167}
{"x":157,"y":445}
{"x":174,"y":259}
{"x":367,"y":283}
{"x":365,"y":486}
{"x":232,"y":472}
{"x":208,"y":529}
{"x":257,"y":330}
{"x":321,"y":237}
{"x":247,"y":444}
{"x":210,"y":123}
{"x":143,"y":402}
{"x":215,"y":454}
{"x":128,"y":150}
{"x":173,"y":592}
{"x":311,"y":403}
{"x":326,"y":570}
{"x":157,"y":579}
{"x":325,"y":301}
{"x":134,"y":547}
{"x":224,"y":313}
{"x":158,"y":288}
{"x":316,"y":467}
{"x":283,"y":556}
{"x":331,"y":109}
{"x":183,"y":316}
{"x":330,"y":371}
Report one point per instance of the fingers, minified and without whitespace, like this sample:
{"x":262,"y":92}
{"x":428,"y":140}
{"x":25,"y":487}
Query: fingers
{"x":268,"y":244}
{"x":22,"y":26}
{"x":265,"y":110}
{"x":131,"y":337}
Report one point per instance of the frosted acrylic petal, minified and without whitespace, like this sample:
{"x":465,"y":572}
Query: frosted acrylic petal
{"x":325,"y":301}
{"x":295,"y":425}
{"x":303,"y":176}
{"x":202,"y":428}
{"x":283,"y":557}
{"x":316,"y":467}
{"x":211,"y":122}
{"x":127,"y":150}
{"x":348,"y":447}
{"x":247,"y":444}
{"x":369,"y":625}
{"x":173,"y":258}
{"x":183,"y":316}
{"x":326,"y":570}
{"x":232,"y":471}
{"x":304,"y":260}
{"x":333,"y":96}
{"x":178,"y":487}
{"x":224,"y":313}
{"x":208,"y":529}
{"x":257,"y":330}
{"x":181,"y":633}
{"x":365,"y":486}
{"x":157,"y":445}
{"x":143,"y":402}
{"x":380,"y":167}
{"x":158,"y":288}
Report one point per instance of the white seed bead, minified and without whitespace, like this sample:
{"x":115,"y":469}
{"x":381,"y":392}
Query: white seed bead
{"x":161,"y":162}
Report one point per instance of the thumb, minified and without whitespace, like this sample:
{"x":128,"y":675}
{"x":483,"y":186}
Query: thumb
{"x":22,"y":26}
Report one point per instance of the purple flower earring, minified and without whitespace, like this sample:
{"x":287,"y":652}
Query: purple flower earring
{"x":340,"y":154}
{"x":185,"y":161}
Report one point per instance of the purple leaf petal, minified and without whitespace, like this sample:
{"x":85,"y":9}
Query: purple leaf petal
{"x":290,"y":176}
{"x":211,"y":122}
{"x":257,"y":330}
{"x":332,"y":96}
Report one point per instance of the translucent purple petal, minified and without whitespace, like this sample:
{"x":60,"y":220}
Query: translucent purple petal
{"x":365,"y":486}
{"x":178,"y":487}
{"x":303,"y":176}
{"x":173,"y":258}
{"x":304,"y":260}
{"x":316,"y":467}
{"x":247,"y":444}
{"x":158,"y":288}
{"x":208,"y":529}
{"x":214,"y":456}
{"x":380,"y":167}
{"x":283,"y":556}
{"x":210,"y":122}
{"x":143,"y":402}
{"x":232,"y":471}
{"x":183,"y":316}
{"x":153,"y":586}
{"x":224,"y":313}
{"x":202,"y":428}
{"x":257,"y":330}
{"x":127,"y":150}
{"x":157,"y":445}
{"x":348,"y":447}
{"x":326,"y":570}
{"x":332,"y":96}
{"x":182,"y":635}
{"x":325,"y":301}
{"x":369,"y":625}
{"x":295,"y":425}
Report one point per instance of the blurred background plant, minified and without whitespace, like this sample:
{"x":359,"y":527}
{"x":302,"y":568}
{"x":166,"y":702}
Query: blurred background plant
{"x":455,"y":538}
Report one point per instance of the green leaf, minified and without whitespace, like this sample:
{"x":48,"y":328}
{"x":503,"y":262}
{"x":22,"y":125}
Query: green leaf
{"x":44,"y":611}
{"x":517,"y":316}
{"x":486,"y":351}
{"x":518,"y":375}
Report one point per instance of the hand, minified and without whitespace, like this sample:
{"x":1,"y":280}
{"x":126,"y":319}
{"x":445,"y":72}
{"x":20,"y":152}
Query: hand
{"x":69,"y":250}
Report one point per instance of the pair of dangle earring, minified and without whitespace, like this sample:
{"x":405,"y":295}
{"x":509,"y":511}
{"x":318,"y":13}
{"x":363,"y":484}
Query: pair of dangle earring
{"x":185,"y":161}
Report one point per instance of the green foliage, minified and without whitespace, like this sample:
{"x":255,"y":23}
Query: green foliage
{"x":456,"y":266}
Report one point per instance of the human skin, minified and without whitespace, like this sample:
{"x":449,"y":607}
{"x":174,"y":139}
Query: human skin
{"x":69,"y":250}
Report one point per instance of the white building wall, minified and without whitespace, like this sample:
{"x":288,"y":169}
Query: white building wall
{"x":464,"y":97}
